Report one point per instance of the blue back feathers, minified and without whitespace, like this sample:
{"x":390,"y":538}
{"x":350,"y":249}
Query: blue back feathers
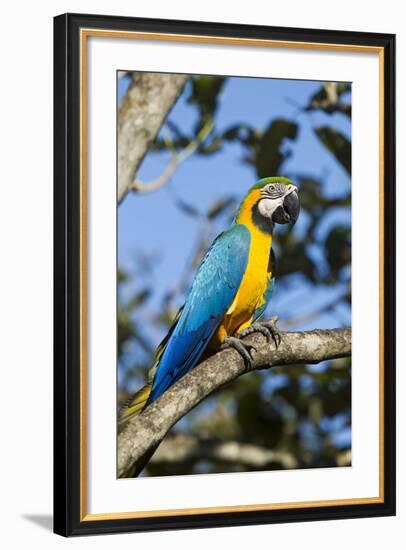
{"x":213,"y":291}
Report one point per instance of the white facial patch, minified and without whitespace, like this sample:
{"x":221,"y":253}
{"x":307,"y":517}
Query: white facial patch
{"x":267,"y":207}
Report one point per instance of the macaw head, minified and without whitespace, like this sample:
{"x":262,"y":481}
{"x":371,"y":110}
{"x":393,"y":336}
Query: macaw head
{"x":269,"y":201}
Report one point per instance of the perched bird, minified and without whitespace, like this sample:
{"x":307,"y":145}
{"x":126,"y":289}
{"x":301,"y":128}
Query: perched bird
{"x":230,"y":291}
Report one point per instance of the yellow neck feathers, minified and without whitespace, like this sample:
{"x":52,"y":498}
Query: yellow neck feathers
{"x":245,"y":217}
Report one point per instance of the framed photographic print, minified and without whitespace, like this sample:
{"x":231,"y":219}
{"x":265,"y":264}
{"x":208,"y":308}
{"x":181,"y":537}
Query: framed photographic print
{"x":224,"y":274}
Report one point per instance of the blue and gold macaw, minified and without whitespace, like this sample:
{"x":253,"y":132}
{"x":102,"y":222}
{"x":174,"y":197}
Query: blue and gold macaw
{"x":230,"y":291}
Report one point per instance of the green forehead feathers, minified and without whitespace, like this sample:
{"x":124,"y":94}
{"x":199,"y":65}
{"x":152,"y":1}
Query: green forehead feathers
{"x":276,"y":179}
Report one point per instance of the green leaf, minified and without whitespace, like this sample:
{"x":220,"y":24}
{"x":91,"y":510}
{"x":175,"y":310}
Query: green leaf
{"x":338,"y":248}
{"x":337,"y":144}
{"x":269,"y":156}
{"x":205,"y":91}
{"x":329,"y":99}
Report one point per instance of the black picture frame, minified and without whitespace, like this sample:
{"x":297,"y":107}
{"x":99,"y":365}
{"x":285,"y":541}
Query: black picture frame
{"x":67,"y":353}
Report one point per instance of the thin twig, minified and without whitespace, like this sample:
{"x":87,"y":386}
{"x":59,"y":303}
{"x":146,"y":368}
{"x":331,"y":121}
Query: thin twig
{"x":176,"y":160}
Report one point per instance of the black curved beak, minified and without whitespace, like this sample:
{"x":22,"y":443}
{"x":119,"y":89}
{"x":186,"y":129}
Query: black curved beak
{"x":289,"y":211}
{"x":291,"y":205}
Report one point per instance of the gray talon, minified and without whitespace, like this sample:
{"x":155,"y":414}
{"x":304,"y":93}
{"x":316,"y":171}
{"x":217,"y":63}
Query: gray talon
{"x":243,"y":349}
{"x":267,"y":328}
{"x":255,"y":327}
{"x":273,"y":330}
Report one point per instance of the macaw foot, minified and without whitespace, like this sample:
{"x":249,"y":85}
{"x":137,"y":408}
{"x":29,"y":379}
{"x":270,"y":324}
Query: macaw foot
{"x":243,"y":348}
{"x":267,"y":328}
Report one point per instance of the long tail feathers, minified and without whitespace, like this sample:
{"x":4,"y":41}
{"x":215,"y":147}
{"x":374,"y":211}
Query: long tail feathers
{"x":134,"y":406}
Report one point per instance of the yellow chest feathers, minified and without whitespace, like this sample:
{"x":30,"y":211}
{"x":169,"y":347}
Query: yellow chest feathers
{"x":253,"y":285}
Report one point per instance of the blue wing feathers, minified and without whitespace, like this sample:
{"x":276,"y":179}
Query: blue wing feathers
{"x":213,"y":290}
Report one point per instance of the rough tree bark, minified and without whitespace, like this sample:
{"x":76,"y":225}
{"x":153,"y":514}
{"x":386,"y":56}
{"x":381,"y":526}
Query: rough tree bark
{"x":146,"y":431}
{"x":144,"y":108}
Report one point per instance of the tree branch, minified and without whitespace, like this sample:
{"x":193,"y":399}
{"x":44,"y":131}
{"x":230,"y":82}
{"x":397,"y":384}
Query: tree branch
{"x":182,"y":448}
{"x":143,"y":433}
{"x":141,"y":114}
